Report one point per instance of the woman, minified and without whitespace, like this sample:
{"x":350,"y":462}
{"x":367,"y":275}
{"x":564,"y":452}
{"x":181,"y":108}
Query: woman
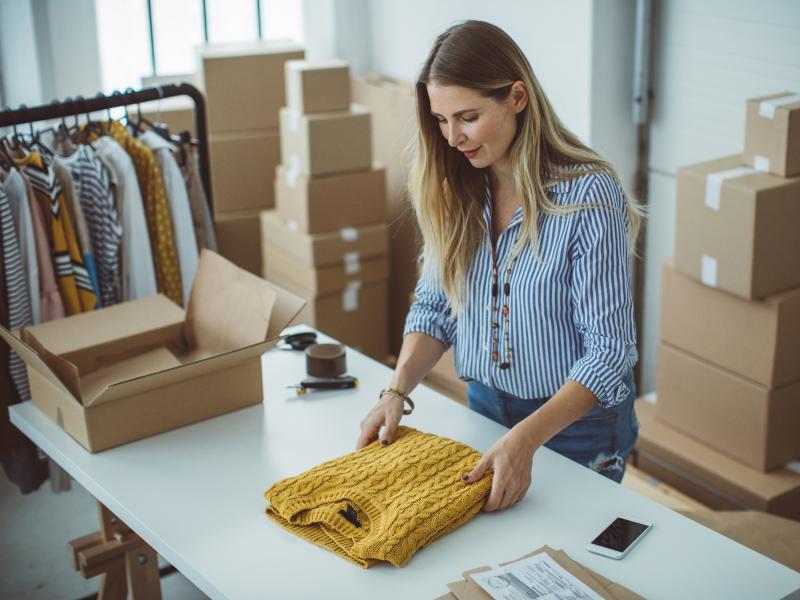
{"x":525,"y":267}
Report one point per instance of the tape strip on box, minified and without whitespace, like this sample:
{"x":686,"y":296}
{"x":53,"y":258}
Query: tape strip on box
{"x":714,"y":184}
{"x":352,"y":263}
{"x":761,"y":163}
{"x":293,"y":170}
{"x":349,"y":234}
{"x":766,"y":108}
{"x":708,"y":270}
{"x":350,"y":296}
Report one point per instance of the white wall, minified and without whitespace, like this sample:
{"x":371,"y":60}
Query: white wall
{"x":48,"y":50}
{"x":19,"y":61}
{"x":555,"y":36}
{"x":710,"y":57}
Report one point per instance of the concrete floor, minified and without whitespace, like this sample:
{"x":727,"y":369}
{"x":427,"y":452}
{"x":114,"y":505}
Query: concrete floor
{"x":34,"y":561}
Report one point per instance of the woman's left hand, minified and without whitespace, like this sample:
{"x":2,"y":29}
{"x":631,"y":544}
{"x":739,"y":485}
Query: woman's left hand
{"x":511,"y":458}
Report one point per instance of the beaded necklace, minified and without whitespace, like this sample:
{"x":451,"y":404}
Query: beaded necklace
{"x":501,"y":324}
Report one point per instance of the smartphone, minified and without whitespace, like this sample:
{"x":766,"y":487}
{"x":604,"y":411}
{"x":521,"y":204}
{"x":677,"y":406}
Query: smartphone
{"x":616,"y":540}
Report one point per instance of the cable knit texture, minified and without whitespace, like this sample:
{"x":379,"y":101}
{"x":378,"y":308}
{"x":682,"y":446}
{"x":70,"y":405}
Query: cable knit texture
{"x":382,"y":504}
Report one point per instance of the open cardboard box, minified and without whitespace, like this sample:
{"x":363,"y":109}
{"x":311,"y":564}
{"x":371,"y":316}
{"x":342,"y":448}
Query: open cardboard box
{"x":138,"y":368}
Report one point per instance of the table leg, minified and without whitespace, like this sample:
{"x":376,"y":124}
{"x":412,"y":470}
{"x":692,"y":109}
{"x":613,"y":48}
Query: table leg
{"x":127,"y":565}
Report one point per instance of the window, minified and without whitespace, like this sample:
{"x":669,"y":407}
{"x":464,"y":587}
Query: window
{"x":158,"y":37}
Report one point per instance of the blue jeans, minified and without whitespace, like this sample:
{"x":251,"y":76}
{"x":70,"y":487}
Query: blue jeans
{"x":601,"y":440}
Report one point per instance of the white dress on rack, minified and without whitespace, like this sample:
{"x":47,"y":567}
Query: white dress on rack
{"x":178,"y":199}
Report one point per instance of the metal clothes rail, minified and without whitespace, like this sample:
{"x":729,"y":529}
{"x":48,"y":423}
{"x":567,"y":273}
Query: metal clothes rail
{"x":78,"y":106}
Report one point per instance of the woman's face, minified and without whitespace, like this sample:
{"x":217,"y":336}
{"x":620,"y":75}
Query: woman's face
{"x":480,"y":127}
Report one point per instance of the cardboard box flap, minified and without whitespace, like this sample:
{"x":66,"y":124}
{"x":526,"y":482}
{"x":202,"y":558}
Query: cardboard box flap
{"x":228,"y":308}
{"x":98,"y":382}
{"x":287,"y":307}
{"x":105,"y":325}
{"x":752,"y":181}
{"x":194,"y":368}
{"x":34,"y":361}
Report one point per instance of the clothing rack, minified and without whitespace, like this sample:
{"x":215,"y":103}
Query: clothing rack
{"x":79,"y":106}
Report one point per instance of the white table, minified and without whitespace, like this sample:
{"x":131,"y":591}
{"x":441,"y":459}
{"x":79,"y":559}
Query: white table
{"x":196,"y":496}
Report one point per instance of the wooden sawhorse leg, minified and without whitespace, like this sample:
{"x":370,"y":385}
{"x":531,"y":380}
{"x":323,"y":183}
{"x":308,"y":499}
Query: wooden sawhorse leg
{"x":129,"y":567}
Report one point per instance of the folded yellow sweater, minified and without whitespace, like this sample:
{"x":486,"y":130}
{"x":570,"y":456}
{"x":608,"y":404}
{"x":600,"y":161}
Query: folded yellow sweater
{"x":382,"y":503}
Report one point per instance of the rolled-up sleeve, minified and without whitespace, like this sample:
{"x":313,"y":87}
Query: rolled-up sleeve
{"x":430,"y":313}
{"x":601,"y":294}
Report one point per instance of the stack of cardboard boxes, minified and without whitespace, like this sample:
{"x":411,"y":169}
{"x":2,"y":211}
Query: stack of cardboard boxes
{"x":328,"y":241}
{"x":727,"y":416}
{"x":244,"y":88}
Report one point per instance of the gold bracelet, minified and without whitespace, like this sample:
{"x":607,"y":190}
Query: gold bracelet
{"x":398,"y":394}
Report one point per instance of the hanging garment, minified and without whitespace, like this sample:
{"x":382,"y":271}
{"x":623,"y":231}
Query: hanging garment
{"x":18,"y":299}
{"x":159,"y":222}
{"x":201,"y":213}
{"x":50,"y":302}
{"x":92,"y":188}
{"x":76,"y":288}
{"x":178,"y":198}
{"x":382,"y":503}
{"x":137,"y":269}
{"x":18,"y":455}
{"x":14,"y":185}
{"x":79,"y":225}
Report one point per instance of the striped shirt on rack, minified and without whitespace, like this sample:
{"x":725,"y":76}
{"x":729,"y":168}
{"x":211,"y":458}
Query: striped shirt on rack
{"x":570,"y":311}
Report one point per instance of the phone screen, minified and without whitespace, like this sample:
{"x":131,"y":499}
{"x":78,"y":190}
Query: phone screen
{"x":619,"y":535}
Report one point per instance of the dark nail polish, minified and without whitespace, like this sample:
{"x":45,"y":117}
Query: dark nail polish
{"x":384,"y":442}
{"x":465,"y":478}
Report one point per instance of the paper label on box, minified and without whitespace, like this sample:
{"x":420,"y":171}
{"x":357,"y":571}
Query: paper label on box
{"x":352,"y":263}
{"x":714,"y":184}
{"x":537,"y":576}
{"x":349,"y":234}
{"x":761,"y":163}
{"x":766,"y":108}
{"x":350,"y":296}
{"x":708,"y":270}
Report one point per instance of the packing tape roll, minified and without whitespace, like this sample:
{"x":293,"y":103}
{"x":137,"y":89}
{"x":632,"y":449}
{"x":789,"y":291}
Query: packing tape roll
{"x":766,"y":108}
{"x":326,"y":360}
{"x":714,"y":184}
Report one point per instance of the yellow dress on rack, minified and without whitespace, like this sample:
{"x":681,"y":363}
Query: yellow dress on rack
{"x":159,"y":218}
{"x":77,"y":293}
{"x":382,"y":503}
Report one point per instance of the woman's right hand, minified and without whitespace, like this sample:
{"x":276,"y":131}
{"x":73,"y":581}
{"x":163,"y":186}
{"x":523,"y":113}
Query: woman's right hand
{"x":387,"y":414}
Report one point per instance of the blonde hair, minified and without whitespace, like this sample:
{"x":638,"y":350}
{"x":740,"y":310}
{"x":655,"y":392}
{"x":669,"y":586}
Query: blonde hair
{"x":448,"y":194}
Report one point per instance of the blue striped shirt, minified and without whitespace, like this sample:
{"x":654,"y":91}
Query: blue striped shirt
{"x":570,"y":311}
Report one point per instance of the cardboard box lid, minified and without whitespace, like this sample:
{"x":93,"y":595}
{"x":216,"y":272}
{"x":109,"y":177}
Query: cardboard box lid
{"x":105,"y":325}
{"x":749,"y":180}
{"x":325,"y":248}
{"x":794,"y":104}
{"x":694,"y":457}
{"x":232,"y":315}
{"x":316,"y":65}
{"x":234,"y":49}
